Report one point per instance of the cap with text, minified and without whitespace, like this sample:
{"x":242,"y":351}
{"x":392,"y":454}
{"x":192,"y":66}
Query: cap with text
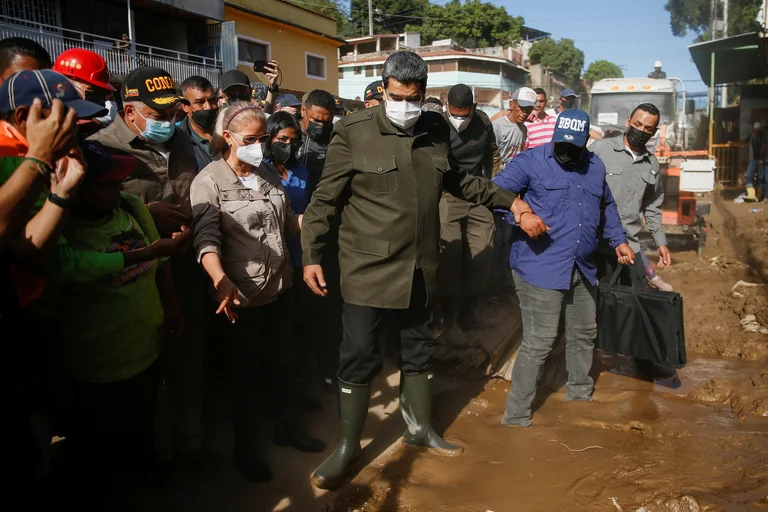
{"x":525,"y":97}
{"x":152,"y":86}
{"x":374,"y":91}
{"x":572,"y":126}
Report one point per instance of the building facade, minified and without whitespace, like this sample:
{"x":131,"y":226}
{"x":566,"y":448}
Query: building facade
{"x":302,"y":41}
{"x":490,"y":72}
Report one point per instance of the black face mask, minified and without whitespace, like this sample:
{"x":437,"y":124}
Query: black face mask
{"x":320,"y":132}
{"x":637,"y":138}
{"x":205,"y":119}
{"x":568,"y":102}
{"x":567,"y":154}
{"x":282,"y":152}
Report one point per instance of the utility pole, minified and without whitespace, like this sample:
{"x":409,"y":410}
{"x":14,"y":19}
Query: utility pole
{"x":724,"y":89}
{"x":370,"y":17}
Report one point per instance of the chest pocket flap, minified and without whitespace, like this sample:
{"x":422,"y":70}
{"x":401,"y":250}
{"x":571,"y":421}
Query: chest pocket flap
{"x":555,"y":184}
{"x":379,"y":175}
{"x":441,"y":163}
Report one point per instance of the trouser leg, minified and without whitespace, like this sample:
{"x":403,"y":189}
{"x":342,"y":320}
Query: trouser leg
{"x":541,"y":309}
{"x":417,"y":343}
{"x":752,"y":169}
{"x":502,"y":244}
{"x":481,"y":230}
{"x":580,"y":333}
{"x":359,"y":358}
{"x":453,"y":218}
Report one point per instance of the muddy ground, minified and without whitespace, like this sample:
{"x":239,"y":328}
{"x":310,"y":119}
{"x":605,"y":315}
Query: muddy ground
{"x":698,"y":442}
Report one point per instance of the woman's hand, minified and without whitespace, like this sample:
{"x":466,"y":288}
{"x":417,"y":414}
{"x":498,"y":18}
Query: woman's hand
{"x":226,"y":294}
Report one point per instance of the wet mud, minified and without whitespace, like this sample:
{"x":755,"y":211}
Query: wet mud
{"x":695,"y":440}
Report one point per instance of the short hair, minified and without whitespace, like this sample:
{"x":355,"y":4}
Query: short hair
{"x":321,"y":99}
{"x":232,"y":119}
{"x":199,"y":83}
{"x":13,"y":47}
{"x":434,"y":100}
{"x":280,"y":121}
{"x":460,"y":96}
{"x":646,"y":107}
{"x":539,"y":90}
{"x":405,"y":67}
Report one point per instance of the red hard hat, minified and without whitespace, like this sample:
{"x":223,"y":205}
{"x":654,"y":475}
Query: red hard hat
{"x":84,"y":65}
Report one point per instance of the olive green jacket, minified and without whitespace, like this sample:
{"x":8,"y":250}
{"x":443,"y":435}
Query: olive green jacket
{"x":386,"y":185}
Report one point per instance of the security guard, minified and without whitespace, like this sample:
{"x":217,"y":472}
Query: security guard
{"x":374,"y":94}
{"x":385,"y":171}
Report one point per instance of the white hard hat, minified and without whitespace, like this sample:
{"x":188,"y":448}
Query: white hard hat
{"x":657,"y":64}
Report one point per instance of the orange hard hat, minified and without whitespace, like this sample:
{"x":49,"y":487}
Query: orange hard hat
{"x":84,"y":65}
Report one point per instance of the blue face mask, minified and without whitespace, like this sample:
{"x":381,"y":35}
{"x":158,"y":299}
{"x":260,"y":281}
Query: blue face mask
{"x":156,"y":132}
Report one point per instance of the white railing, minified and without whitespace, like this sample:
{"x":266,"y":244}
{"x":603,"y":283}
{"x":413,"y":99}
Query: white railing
{"x":121,"y":56}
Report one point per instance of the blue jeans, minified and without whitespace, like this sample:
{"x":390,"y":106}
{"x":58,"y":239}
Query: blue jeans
{"x":754,"y":171}
{"x":541,"y":311}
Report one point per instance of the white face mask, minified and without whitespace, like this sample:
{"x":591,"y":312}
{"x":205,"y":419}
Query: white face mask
{"x":460,"y":123}
{"x":252,"y":154}
{"x":336,"y":119}
{"x":403,"y":113}
{"x":111,"y":113}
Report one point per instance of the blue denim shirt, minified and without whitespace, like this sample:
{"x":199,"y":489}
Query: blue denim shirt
{"x":298,"y":194}
{"x":576,"y":204}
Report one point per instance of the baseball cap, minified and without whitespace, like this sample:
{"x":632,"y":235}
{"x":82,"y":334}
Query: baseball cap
{"x":288,"y":100}
{"x":525,"y":96}
{"x":103,"y":166}
{"x":152,"y":86}
{"x":567,"y":92}
{"x":572,"y":126}
{"x":21,"y":89}
{"x":233,"y":77}
{"x":374,"y":91}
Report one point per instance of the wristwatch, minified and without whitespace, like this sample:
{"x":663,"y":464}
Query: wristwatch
{"x":59,"y":201}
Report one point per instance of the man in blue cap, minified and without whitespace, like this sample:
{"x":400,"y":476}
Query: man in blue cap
{"x":564,"y":184}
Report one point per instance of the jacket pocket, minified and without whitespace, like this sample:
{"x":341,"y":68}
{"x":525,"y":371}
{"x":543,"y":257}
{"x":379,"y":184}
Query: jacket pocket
{"x":371,"y":246}
{"x":442,"y":165}
{"x":381,"y":174}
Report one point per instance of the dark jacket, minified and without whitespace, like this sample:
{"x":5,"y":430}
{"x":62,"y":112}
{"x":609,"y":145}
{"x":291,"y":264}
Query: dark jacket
{"x":201,"y":153}
{"x":475,"y":147}
{"x":387,"y":186}
{"x":313,"y":156}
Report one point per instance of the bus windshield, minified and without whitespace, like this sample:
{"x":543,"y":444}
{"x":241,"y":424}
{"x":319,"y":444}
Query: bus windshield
{"x":615,"y":108}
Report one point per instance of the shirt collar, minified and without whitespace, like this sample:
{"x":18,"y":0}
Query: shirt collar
{"x":619,"y":146}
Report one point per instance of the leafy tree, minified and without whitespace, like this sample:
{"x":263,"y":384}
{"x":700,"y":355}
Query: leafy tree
{"x":333,"y":8}
{"x":696,"y":15}
{"x":602,"y":69}
{"x":473,"y":23}
{"x":561,"y":56}
{"x":389,"y":16}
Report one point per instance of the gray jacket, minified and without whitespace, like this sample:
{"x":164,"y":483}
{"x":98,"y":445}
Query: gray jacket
{"x":247,"y":229}
{"x":637,"y":188}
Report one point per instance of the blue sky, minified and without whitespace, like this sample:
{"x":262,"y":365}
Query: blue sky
{"x":630,"y":33}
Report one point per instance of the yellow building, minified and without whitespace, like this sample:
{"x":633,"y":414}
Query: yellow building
{"x":302,"y":41}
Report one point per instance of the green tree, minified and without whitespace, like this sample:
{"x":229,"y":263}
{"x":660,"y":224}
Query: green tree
{"x":473,"y":24}
{"x":696,"y":15}
{"x":333,"y":8}
{"x":389,"y":16}
{"x":561,"y":56}
{"x":602,"y":69}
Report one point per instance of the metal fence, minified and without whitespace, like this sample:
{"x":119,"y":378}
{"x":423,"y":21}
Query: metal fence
{"x":732,"y":159}
{"x":122,"y":57}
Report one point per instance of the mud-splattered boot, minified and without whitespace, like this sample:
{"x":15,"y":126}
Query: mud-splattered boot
{"x":353,"y":409}
{"x":416,"y":406}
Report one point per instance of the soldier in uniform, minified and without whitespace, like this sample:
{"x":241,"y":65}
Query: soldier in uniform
{"x":386,"y":169}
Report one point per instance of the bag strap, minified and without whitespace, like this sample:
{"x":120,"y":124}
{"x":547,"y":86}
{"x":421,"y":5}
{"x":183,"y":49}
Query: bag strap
{"x":638,"y":283}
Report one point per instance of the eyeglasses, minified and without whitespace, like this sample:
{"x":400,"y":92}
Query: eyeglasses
{"x":252,"y":139}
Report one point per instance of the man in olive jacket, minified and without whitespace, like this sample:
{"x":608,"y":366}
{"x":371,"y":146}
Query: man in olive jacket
{"x":385,"y":171}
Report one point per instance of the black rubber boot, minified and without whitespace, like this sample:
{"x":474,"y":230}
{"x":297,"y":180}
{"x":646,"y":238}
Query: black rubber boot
{"x":416,"y":405}
{"x":353,"y":409}
{"x":287,"y":434}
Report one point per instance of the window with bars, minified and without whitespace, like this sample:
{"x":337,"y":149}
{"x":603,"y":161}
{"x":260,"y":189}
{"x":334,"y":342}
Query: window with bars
{"x":249,"y":51}
{"x":35,"y":11}
{"x":315,"y":66}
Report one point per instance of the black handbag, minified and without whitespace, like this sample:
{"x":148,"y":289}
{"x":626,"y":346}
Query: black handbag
{"x":640,"y":322}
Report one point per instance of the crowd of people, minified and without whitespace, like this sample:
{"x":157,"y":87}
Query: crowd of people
{"x":139,"y":226}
